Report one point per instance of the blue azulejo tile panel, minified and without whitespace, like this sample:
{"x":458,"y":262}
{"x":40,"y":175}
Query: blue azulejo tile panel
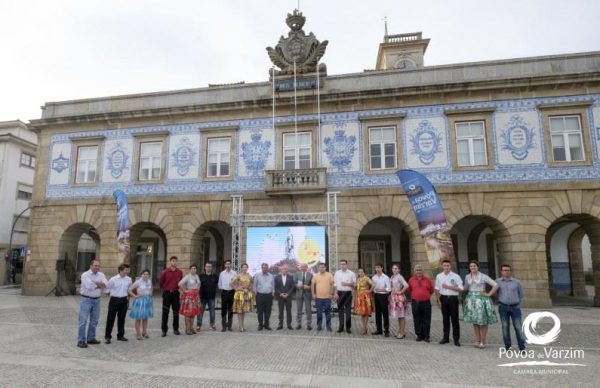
{"x":255,"y":151}
{"x":518,"y":138}
{"x":184,"y":156}
{"x":426,"y":143}
{"x":59,"y":165}
{"x":340,"y":146}
{"x":118,"y":160}
{"x":596,"y":126}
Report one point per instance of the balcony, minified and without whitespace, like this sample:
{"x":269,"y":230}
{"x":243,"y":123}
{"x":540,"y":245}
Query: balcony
{"x":296,"y":182}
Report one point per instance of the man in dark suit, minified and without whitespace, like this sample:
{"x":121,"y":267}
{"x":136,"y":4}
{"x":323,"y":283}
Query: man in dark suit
{"x":284,"y":289}
{"x":302,"y":280}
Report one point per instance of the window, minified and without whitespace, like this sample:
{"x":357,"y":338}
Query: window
{"x":470,"y":143}
{"x":296,"y":150}
{"x":218,"y":157}
{"x":150,"y":161}
{"x":87,"y":160}
{"x":28,"y":160}
{"x":382,"y":148}
{"x":24,"y":195}
{"x":566,"y":138}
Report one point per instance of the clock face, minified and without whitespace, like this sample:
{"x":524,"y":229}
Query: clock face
{"x":405,"y":64}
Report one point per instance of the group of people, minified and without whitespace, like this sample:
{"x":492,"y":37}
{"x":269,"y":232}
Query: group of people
{"x":385,"y":296}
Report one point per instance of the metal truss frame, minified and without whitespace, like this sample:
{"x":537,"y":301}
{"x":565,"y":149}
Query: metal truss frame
{"x":330,"y":218}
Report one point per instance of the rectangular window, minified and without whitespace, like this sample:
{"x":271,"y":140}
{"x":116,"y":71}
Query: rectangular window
{"x":24,"y":195}
{"x":382,"y":148}
{"x":470,"y":143}
{"x":297,"y":150}
{"x":218,"y":157}
{"x":566,"y":138}
{"x":28,"y":160}
{"x":87,"y":160}
{"x":150,"y":161}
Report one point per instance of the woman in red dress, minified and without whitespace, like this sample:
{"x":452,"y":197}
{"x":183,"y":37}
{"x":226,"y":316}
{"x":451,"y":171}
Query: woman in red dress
{"x":190,"y":298}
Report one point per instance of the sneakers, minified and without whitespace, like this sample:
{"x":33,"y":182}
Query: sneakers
{"x":81,"y":344}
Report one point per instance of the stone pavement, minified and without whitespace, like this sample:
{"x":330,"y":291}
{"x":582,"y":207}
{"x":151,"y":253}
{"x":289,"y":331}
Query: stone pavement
{"x":38,"y":337}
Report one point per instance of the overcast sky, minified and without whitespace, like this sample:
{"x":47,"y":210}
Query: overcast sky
{"x":54,"y":50}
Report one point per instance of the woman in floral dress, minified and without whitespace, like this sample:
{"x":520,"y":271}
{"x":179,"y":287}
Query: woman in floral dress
{"x":363,"y":302}
{"x":141,"y":308}
{"x":243,"y":299}
{"x":478,"y":308}
{"x":190,"y":299}
{"x":398,"y":305}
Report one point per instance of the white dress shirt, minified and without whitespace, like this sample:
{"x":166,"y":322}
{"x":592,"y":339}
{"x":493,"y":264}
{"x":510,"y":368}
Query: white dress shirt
{"x":283,"y":279}
{"x":118,"y":286}
{"x":382,"y":281}
{"x":225,"y":280}
{"x":88,"y":283}
{"x":342,"y":276}
{"x":451,"y":279}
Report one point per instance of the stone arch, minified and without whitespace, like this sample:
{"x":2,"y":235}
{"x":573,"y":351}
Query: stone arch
{"x":565,"y":259}
{"x":78,"y":245}
{"x":148,"y":250}
{"x":211,"y":241}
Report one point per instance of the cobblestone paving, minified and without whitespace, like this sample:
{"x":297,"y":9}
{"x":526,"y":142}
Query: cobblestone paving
{"x":38,"y":335}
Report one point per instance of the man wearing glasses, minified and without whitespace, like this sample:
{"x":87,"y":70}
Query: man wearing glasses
{"x":421,"y":289}
{"x":510,"y":294}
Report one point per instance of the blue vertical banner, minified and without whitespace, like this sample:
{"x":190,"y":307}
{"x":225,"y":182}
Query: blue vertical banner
{"x":430,"y":216}
{"x":123,"y":224}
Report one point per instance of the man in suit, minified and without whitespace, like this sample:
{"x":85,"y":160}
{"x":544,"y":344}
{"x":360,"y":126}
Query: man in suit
{"x":284,"y":289}
{"x":303,"y":280}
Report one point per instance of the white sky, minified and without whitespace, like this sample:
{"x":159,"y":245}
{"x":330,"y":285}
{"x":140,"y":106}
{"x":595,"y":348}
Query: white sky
{"x":53,"y":50}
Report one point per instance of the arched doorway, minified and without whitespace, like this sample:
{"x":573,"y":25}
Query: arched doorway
{"x":148,"y":249}
{"x":384,"y":240}
{"x":77,"y":247}
{"x":476,"y":238}
{"x":211,"y":242}
{"x":572,"y":260}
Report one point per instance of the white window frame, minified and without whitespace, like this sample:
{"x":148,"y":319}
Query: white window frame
{"x":151,"y":158}
{"x":470,"y":139}
{"x":382,"y":145}
{"x":30,"y":160}
{"x":565,"y":135}
{"x":223,"y":157}
{"x":296,"y":148}
{"x":87,"y":163}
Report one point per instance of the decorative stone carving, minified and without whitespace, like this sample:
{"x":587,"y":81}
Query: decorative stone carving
{"x":304,"y":50}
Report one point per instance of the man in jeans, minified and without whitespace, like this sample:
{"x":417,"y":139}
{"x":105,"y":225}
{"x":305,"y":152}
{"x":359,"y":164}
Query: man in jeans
{"x":322,"y":289}
{"x":92,"y":283}
{"x":510,"y":294}
{"x":208,"y":295}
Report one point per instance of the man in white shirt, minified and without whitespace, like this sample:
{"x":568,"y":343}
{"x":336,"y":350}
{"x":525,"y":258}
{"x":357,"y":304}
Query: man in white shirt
{"x":448,"y":285}
{"x":343,"y":284}
{"x":92,"y":283}
{"x":227,"y":293}
{"x":117,"y":287}
{"x":381,"y":290}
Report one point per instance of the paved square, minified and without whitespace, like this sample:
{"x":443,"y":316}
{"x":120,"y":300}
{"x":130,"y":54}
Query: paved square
{"x":38,"y":338}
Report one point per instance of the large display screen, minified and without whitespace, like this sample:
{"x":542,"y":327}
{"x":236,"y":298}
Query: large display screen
{"x":291,"y":245}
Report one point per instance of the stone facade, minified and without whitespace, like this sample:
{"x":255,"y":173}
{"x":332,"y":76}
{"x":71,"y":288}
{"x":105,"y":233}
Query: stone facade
{"x":502,"y":211}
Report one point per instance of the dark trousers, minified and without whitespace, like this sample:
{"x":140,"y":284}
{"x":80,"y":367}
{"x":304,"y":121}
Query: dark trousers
{"x":264,"y":302}
{"x":170,"y":301}
{"x":226,"y":307}
{"x":450,"y":312}
{"x":422,"y":318}
{"x":117,"y":308}
{"x":382,"y":311}
{"x":323,"y":306}
{"x":345,"y":309}
{"x":287,"y":304}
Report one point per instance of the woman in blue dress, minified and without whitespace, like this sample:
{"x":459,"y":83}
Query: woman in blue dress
{"x":142,"y":308}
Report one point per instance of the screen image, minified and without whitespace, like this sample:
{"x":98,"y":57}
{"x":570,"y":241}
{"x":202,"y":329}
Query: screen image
{"x":291,"y":245}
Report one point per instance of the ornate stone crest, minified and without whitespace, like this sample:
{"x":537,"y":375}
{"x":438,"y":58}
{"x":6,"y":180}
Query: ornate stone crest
{"x":117,"y":160}
{"x":255,"y":154}
{"x":183,"y":156}
{"x":60,"y":164}
{"x":518,"y":137}
{"x":340,"y":149}
{"x":298,"y":47}
{"x":426,"y":142}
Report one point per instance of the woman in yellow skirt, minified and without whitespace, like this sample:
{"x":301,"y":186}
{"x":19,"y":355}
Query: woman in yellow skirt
{"x":243,"y":299}
{"x":363,"y":302}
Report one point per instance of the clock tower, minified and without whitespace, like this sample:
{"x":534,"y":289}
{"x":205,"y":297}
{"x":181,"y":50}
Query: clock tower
{"x":401,"y":51}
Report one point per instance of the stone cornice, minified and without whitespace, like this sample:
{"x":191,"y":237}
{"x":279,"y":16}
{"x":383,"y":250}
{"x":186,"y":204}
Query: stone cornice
{"x":10,"y":138}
